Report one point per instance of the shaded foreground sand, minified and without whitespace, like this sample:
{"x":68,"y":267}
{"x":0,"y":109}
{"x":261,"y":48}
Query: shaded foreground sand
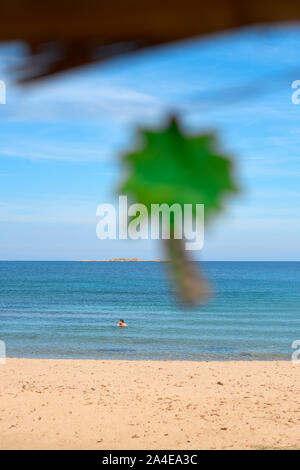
{"x":83,"y":404}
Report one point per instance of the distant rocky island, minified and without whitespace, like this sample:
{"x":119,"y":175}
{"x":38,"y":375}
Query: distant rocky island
{"x":157,"y":260}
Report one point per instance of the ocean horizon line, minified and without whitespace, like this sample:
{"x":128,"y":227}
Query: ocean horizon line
{"x":138,"y":261}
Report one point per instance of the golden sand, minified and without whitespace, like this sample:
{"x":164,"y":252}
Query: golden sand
{"x":84,"y":404}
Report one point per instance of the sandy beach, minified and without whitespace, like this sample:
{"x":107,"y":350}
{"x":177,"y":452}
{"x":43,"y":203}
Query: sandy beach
{"x":85,"y":404}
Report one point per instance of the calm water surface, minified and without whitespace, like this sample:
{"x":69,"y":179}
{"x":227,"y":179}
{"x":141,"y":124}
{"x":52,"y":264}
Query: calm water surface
{"x":70,"y":310}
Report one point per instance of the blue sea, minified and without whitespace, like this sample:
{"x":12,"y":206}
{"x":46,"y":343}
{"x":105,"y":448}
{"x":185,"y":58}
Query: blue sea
{"x":71,"y":309}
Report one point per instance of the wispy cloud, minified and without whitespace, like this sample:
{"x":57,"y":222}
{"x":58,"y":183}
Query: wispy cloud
{"x":69,"y":155}
{"x":50,"y":212}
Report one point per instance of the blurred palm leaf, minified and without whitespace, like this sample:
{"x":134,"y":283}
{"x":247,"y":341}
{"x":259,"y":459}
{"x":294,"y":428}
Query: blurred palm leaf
{"x":172,"y":167}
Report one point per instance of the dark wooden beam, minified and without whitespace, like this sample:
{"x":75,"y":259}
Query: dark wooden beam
{"x":73,"y":32}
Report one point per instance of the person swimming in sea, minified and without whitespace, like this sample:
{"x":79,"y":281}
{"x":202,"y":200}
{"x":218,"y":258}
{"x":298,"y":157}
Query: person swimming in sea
{"x":121,"y":324}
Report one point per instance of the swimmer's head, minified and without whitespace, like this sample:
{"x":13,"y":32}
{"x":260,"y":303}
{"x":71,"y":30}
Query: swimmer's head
{"x":122,"y":321}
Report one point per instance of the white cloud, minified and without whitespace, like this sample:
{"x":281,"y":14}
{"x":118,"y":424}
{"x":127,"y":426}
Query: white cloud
{"x":71,"y":155}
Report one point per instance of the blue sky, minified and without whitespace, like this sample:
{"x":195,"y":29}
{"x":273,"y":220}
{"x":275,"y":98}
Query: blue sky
{"x":60,"y":143}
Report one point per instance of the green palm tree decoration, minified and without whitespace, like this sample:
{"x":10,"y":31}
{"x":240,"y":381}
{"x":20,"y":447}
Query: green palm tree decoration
{"x":175,"y":168}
